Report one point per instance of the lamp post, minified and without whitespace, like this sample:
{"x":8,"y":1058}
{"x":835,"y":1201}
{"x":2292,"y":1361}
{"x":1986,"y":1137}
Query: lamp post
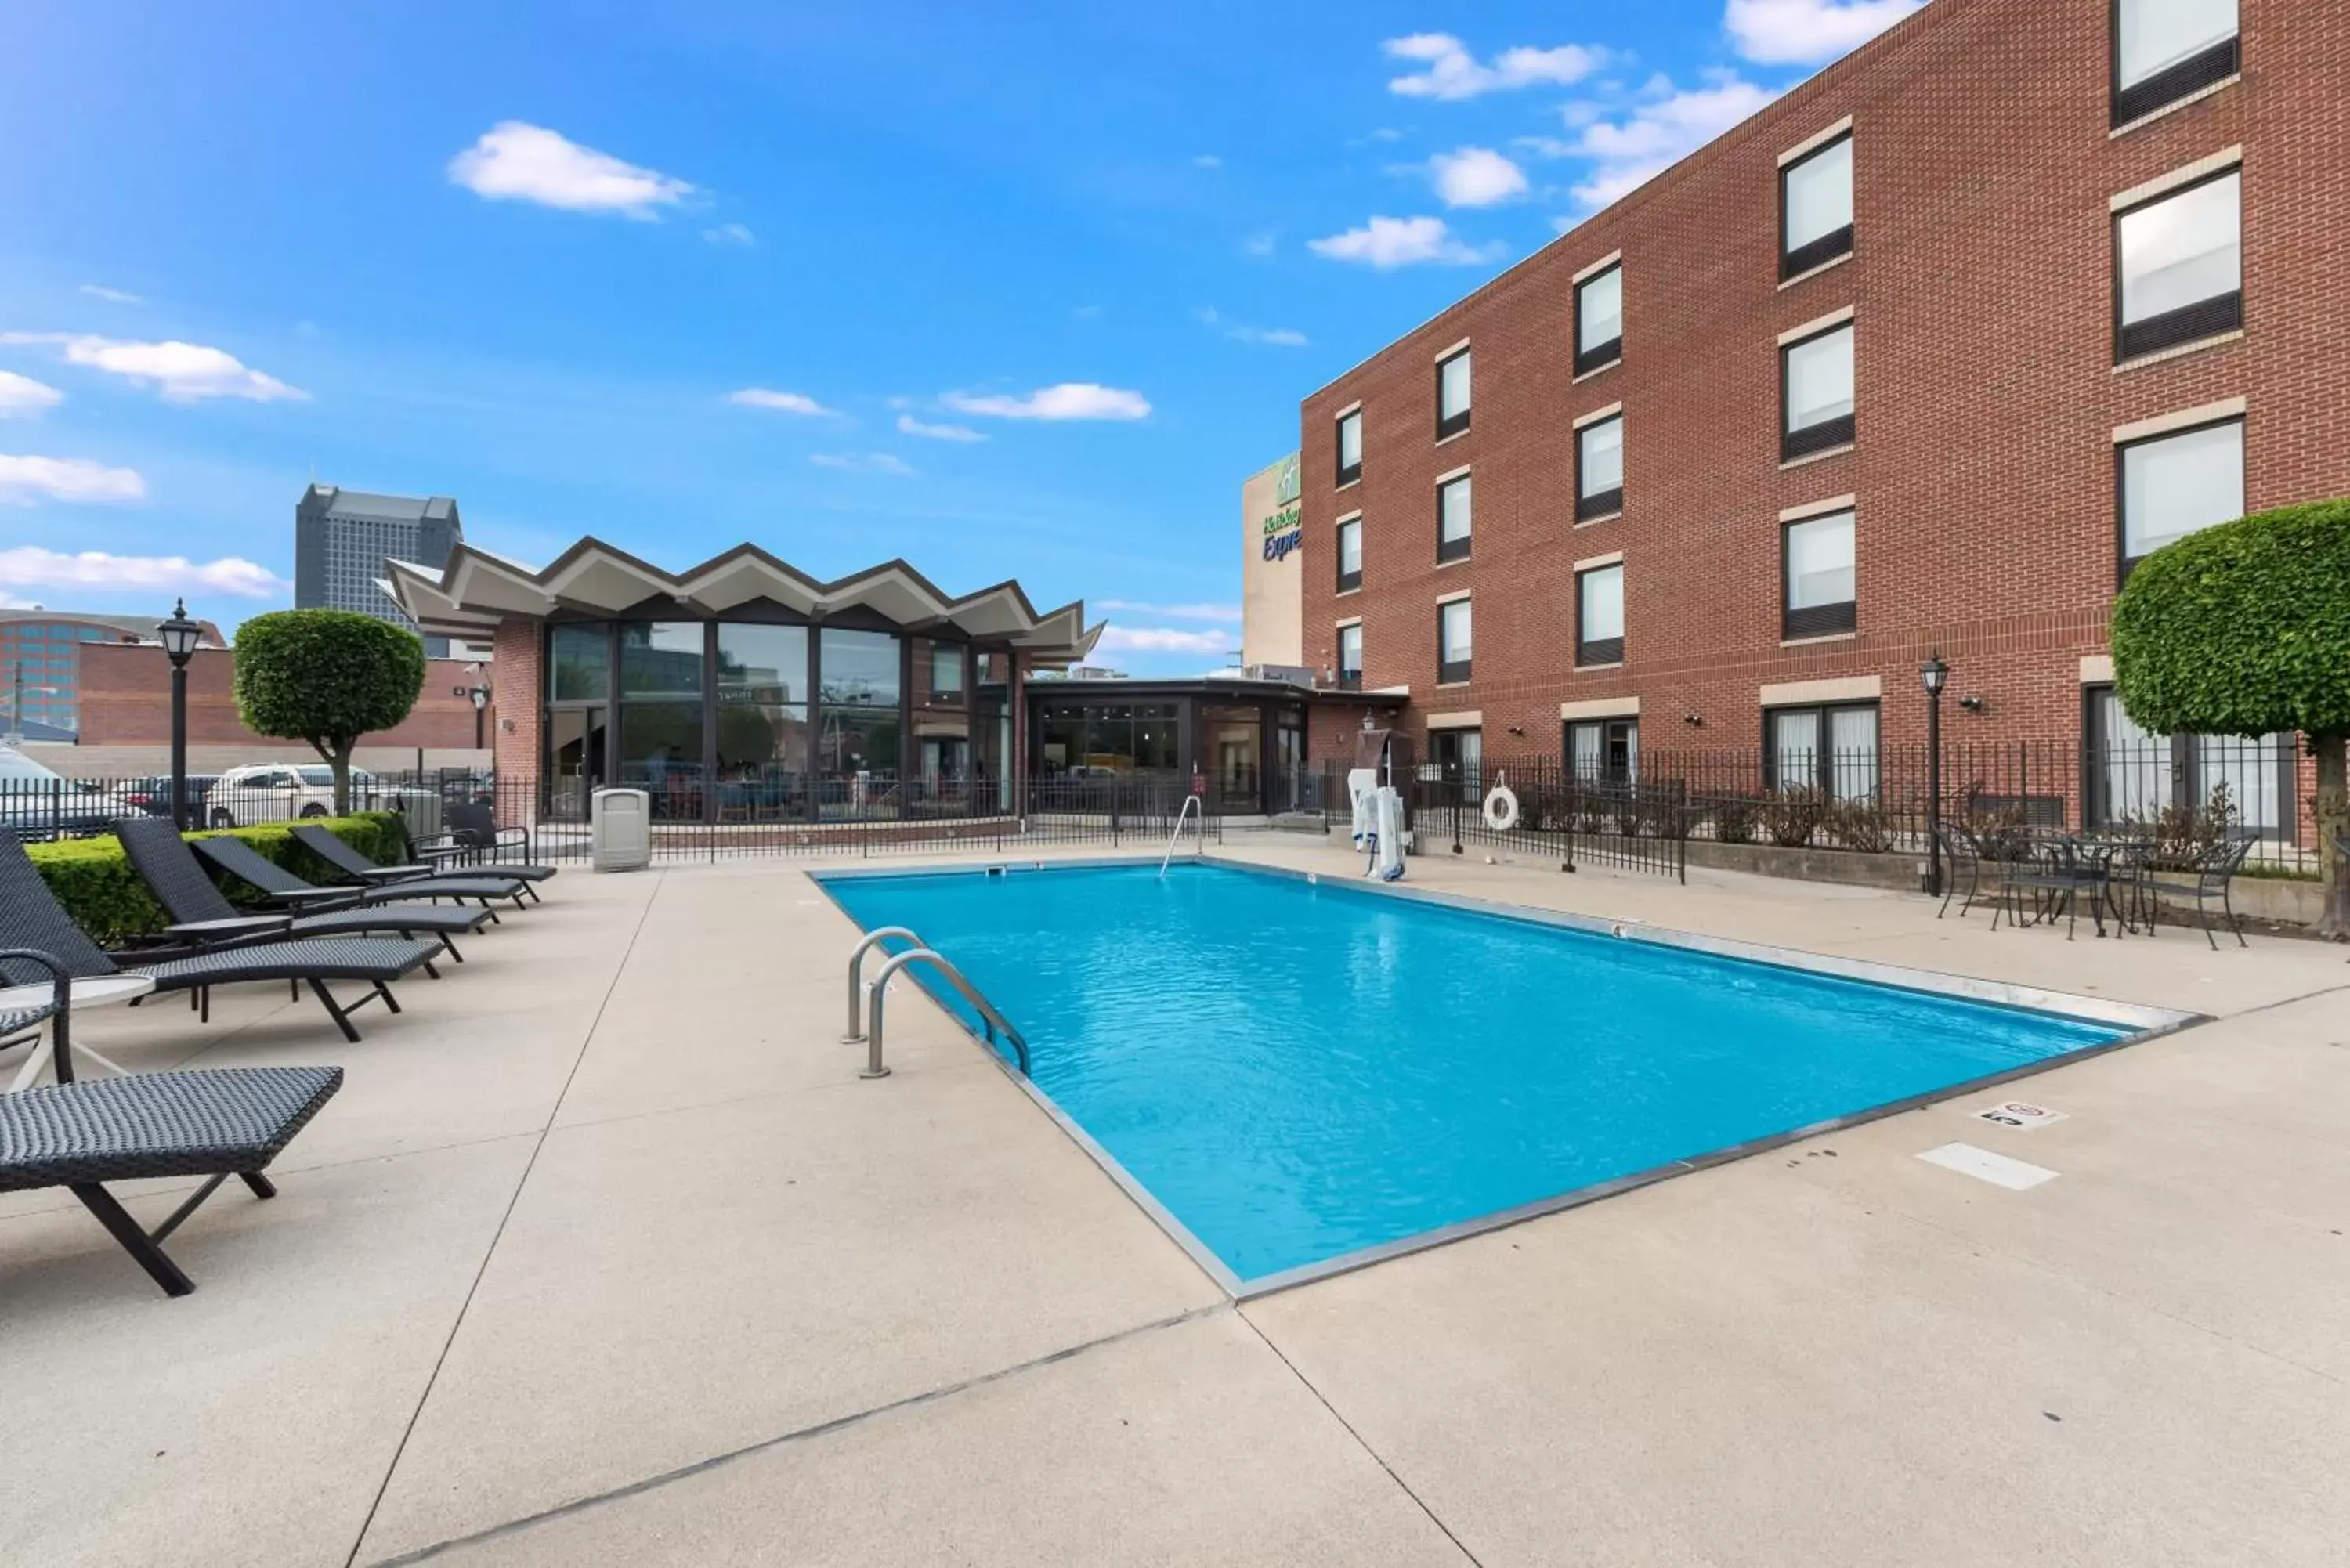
{"x":179,"y":636}
{"x":1934,"y":675}
{"x":481,"y":696}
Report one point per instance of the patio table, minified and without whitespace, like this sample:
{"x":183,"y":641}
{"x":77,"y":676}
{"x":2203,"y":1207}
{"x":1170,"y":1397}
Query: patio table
{"x":95,"y":990}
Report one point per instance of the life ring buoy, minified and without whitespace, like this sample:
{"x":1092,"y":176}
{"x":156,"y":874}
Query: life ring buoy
{"x":1502,"y":809}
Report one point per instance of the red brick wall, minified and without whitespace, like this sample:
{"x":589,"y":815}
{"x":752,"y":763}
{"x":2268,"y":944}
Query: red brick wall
{"x":519,"y":646}
{"x":1986,"y":399}
{"x":126,"y":701}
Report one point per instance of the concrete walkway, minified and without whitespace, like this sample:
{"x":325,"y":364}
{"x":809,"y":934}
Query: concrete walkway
{"x":605,"y":1254}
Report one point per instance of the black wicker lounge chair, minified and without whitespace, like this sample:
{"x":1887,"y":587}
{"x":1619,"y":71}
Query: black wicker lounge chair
{"x":459,"y":883}
{"x":31,"y":916}
{"x":476,"y":827}
{"x":229,"y":1121}
{"x":202,"y":914}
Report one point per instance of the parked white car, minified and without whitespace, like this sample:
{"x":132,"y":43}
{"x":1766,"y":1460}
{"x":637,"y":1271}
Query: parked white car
{"x":286,"y":792}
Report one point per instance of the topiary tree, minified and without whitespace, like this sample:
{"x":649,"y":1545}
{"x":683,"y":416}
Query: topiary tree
{"x":327,"y":677}
{"x":2244,"y":629}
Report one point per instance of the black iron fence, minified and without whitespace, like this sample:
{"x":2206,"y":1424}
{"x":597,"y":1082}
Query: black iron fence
{"x":1868,"y":800}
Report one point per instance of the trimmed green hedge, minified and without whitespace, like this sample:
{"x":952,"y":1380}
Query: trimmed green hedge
{"x":105,"y":896}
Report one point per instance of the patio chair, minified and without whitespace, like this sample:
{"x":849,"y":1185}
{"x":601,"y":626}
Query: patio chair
{"x":2055,"y":871}
{"x":2211,"y":875}
{"x":460,"y":883}
{"x":1962,"y":858}
{"x":223,"y":1122}
{"x":31,"y":916}
{"x":477,"y":828}
{"x":277,"y":886}
{"x":199,"y":913}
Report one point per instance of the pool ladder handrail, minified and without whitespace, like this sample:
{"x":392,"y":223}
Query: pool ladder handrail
{"x":856,"y":1035}
{"x":1177,"y":836}
{"x":991,"y":1019}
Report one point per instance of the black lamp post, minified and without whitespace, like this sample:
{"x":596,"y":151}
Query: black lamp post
{"x":1934,"y":675}
{"x":179,"y":636}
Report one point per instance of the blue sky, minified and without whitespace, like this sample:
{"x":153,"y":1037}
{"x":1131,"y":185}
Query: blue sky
{"x":1006,"y":290}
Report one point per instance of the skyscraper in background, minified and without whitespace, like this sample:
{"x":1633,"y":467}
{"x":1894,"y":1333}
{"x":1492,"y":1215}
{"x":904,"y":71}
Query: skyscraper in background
{"x":343,"y":538}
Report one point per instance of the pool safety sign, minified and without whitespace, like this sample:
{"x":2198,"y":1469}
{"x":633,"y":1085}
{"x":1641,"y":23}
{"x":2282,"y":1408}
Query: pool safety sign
{"x":2021,"y":1115}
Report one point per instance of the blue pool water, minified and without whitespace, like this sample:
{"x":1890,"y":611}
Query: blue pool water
{"x":1297,"y":1071}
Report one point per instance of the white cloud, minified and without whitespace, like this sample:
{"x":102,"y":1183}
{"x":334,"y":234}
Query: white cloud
{"x":22,"y":397}
{"x":1628,"y":152}
{"x":1475,"y":177}
{"x":1207,"y":160}
{"x":29,"y":567}
{"x":1162,"y":640}
{"x":182,"y":372}
{"x":25,"y":480}
{"x":112,"y":296}
{"x":514,"y":162}
{"x":1067,"y":401}
{"x":1173,"y":612}
{"x":909,"y":425}
{"x":862,"y":462}
{"x":731,"y":234}
{"x":1386,"y":243}
{"x":1452,"y":72}
{"x":781,"y":403}
{"x":1258,"y":245}
{"x":1809,"y":32}
{"x":1276,"y":337}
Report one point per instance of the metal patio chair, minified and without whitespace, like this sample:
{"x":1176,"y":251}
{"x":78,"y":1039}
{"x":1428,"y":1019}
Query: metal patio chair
{"x":218,"y":1123}
{"x":2211,"y":875}
{"x":1962,"y":858}
{"x":476,"y":827}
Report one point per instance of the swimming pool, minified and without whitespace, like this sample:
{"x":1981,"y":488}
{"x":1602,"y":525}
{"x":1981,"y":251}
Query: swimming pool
{"x":1296,"y":1074}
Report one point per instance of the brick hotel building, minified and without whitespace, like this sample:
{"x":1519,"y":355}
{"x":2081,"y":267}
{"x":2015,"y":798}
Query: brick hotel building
{"x":1914,"y":361}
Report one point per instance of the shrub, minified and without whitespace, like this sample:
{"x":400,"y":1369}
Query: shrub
{"x":1791,"y":816}
{"x":96,"y":884}
{"x":1862,"y":825}
{"x":2181,"y":833}
{"x":2244,"y":629}
{"x":1735,"y":817}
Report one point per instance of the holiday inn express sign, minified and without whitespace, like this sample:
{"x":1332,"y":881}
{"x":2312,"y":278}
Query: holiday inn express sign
{"x":1273,"y":544}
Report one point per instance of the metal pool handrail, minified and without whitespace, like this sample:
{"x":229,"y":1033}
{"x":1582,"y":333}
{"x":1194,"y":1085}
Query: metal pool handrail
{"x":855,"y":1035}
{"x":993,"y":1020}
{"x":1177,"y":836}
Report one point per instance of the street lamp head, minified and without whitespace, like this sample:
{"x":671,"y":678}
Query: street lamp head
{"x":481,"y":695}
{"x":1932,"y":674}
{"x":179,"y":634}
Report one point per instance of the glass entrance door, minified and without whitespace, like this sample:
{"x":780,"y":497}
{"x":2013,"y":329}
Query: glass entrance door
{"x":575,"y":760}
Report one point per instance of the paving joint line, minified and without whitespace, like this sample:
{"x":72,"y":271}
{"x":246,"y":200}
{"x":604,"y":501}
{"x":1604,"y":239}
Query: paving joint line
{"x":480,"y":1272}
{"x":800,"y":1434}
{"x":1348,"y":1426}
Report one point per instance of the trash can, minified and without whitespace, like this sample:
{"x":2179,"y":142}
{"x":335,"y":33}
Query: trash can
{"x":622,"y":828}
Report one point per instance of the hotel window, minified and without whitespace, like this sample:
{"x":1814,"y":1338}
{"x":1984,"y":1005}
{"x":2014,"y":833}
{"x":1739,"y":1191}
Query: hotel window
{"x":2177,"y":483}
{"x":1350,"y":658}
{"x":2133,"y":775}
{"x":1831,"y":749}
{"x":1453,"y":520}
{"x":946,"y":670}
{"x":1453,"y":642}
{"x":1453,"y":395}
{"x":1815,"y":388}
{"x":2165,"y":50}
{"x":1350,"y":446}
{"x":1599,"y":320}
{"x":1351,"y":555}
{"x":1599,"y":616}
{"x":1816,"y":577}
{"x":1604,"y":751}
{"x":1815,"y":208}
{"x":2178,"y":266}
{"x":1599,"y":469}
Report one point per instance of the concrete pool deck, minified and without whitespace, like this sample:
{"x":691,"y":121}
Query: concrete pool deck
{"x":605,"y":1253}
